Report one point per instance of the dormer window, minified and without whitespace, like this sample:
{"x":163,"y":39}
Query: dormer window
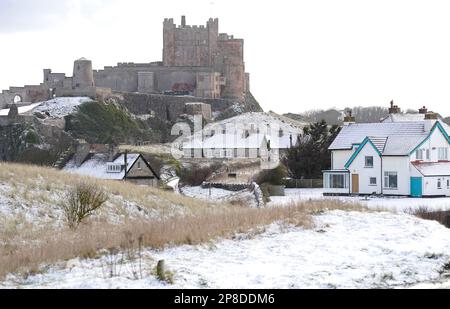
{"x":113,"y":168}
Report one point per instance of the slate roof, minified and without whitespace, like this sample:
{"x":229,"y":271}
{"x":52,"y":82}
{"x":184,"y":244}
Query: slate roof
{"x":96,"y":166}
{"x":238,"y":141}
{"x":379,"y":133}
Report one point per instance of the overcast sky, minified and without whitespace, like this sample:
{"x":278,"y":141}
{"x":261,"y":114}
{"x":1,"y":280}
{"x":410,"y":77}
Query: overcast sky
{"x":301,"y":54}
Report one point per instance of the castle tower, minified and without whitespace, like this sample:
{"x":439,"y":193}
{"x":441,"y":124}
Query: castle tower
{"x":83,"y":77}
{"x":169,"y":42}
{"x":213,"y":35}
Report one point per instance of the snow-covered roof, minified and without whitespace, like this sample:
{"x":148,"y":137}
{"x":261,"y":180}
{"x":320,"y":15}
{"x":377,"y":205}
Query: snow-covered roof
{"x":257,"y":125}
{"x":379,"y":142}
{"x":412,"y":118}
{"x":356,"y":133}
{"x":404,"y":117}
{"x":239,"y":141}
{"x":97,"y":166}
{"x":398,"y":145}
{"x":433,"y":169}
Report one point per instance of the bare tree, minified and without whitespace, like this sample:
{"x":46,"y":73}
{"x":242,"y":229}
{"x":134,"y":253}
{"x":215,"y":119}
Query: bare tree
{"x":81,"y":202}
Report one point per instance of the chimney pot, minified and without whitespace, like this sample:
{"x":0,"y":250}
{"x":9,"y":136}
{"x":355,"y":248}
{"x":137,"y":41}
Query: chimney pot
{"x":423,"y":110}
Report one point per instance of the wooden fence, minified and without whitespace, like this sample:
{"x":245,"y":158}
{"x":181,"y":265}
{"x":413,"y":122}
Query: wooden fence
{"x":303,"y":183}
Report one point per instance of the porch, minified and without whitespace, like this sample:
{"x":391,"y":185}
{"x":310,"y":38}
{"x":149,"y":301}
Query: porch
{"x":336,"y":182}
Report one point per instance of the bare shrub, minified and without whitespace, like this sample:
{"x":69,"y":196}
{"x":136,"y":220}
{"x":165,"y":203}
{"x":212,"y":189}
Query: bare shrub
{"x":196,"y":175}
{"x":81,"y":202}
{"x":423,"y":212}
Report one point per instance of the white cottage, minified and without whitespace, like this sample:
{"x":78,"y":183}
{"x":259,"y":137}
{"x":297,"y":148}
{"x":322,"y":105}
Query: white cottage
{"x":406,"y":158}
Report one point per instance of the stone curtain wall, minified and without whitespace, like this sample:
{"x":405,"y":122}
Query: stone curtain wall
{"x":167,"y":108}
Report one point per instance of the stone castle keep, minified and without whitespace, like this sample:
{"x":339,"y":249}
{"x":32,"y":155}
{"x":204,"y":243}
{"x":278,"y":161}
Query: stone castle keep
{"x":197,"y":61}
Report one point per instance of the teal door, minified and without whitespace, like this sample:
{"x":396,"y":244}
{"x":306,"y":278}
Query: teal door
{"x":416,"y":186}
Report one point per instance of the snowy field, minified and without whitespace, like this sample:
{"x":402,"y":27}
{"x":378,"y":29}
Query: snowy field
{"x":396,"y":204}
{"x":344,"y":250}
{"x":220,"y":195}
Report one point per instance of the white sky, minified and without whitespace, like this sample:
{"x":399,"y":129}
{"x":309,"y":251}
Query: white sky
{"x":301,"y":54}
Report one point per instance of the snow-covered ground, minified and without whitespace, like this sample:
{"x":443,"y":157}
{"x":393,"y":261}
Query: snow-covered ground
{"x":397,"y":204}
{"x":206,"y":193}
{"x":345,"y":250}
{"x":220,"y":195}
{"x":57,"y":108}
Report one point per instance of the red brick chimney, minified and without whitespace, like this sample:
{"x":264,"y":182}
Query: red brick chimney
{"x":394,"y":109}
{"x":423,"y":110}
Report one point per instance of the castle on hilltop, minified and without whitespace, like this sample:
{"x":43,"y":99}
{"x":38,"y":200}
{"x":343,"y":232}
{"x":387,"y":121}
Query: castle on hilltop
{"x":197,"y":61}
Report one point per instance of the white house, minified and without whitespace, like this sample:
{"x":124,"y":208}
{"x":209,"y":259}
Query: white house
{"x":408,"y":158}
{"x":131,"y":167}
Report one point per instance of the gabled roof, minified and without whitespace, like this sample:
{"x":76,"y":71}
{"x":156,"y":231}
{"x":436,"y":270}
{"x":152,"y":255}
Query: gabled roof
{"x":367,"y":141}
{"x":96,"y":166}
{"x":356,"y":133}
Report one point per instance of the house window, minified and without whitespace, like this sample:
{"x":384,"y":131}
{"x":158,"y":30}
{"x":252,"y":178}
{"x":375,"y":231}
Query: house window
{"x":439,"y":183}
{"x":442,"y":153}
{"x":139,"y":166}
{"x":369,"y":162}
{"x":428,"y":154}
{"x":448,"y":184}
{"x":114,"y":168}
{"x":373,"y":181}
{"x":390,"y":180}
{"x":419,"y":154}
{"x":337,"y":181}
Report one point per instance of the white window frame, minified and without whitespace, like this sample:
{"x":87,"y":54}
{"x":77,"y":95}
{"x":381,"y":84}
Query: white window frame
{"x":439,"y":183}
{"x":387,"y":183}
{"x":329,"y":184}
{"x":370,"y":181}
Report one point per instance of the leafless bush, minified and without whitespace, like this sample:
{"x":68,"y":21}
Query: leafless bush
{"x":423,"y":212}
{"x":81,"y":202}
